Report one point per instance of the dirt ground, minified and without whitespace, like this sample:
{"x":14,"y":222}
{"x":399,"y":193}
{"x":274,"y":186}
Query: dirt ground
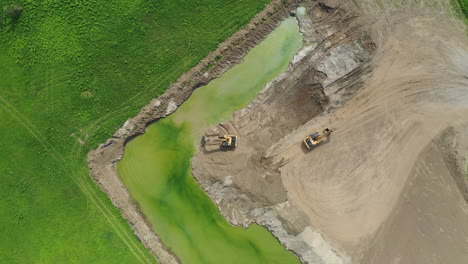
{"x":380,"y":190}
{"x":430,"y":221}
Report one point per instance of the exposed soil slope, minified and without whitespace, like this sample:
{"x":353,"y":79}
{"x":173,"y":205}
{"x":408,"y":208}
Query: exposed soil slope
{"x":430,"y":222}
{"x":365,"y":184}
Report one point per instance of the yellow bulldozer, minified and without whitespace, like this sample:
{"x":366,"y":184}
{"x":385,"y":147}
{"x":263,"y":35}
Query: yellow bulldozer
{"x":226,"y":141}
{"x":314,"y":139}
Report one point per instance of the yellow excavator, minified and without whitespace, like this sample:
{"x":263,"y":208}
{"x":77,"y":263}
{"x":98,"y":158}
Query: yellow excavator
{"x":314,"y":139}
{"x":226,"y":141}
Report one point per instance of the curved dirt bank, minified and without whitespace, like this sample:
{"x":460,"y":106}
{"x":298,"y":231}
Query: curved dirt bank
{"x":352,"y":199}
{"x":430,"y":221}
{"x":102,"y":160}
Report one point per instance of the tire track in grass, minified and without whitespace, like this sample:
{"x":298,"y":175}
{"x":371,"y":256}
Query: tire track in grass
{"x":124,"y":107}
{"x":87,"y":190}
{"x":85,"y":187}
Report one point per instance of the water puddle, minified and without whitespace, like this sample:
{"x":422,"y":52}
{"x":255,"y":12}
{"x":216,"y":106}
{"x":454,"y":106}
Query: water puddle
{"x":156,"y":166}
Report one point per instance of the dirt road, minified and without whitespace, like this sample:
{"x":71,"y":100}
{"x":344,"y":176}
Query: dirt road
{"x":366,"y":190}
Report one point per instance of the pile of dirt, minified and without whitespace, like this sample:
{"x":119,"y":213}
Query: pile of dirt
{"x":391,"y":78}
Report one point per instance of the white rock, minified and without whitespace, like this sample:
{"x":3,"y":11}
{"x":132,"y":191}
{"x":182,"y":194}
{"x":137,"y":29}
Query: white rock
{"x":321,"y":247}
{"x":156,"y":103}
{"x":171,"y":107}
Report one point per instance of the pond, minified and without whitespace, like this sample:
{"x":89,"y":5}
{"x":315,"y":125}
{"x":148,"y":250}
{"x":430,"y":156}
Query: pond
{"x":157,"y":172}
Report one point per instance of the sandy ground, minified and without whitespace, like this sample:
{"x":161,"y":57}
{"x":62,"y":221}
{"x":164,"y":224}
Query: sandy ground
{"x":379,"y":191}
{"x":430,"y":221}
{"x":418,"y":88}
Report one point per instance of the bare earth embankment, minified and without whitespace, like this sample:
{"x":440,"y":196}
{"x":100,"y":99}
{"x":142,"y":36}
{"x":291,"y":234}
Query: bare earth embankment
{"x":390,"y":185}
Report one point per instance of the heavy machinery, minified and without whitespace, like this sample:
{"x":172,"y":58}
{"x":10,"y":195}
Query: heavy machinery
{"x":316,"y":138}
{"x":226,"y":141}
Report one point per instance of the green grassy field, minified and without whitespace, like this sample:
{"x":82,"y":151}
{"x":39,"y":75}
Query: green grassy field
{"x":464,"y":7}
{"x":461,"y":8}
{"x":79,"y":69}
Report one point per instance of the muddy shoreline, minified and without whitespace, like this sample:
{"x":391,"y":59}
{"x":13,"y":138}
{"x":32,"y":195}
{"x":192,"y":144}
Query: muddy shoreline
{"x":102,"y":160}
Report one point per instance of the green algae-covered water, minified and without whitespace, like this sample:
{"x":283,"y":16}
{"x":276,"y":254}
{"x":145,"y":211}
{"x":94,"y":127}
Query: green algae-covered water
{"x":156,"y":166}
